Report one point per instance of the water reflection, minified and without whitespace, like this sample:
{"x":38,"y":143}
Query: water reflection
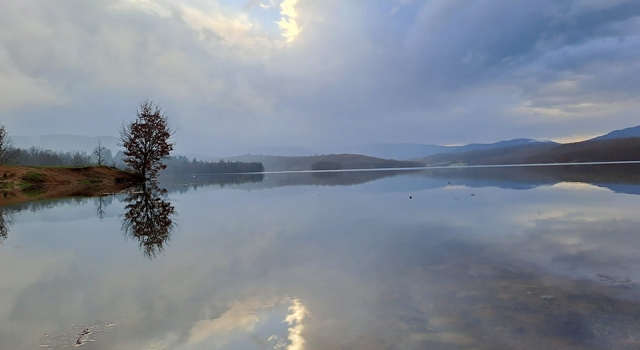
{"x":149,"y":219}
{"x":6,"y":220}
{"x":102,"y":203}
{"x":621,"y":178}
{"x":185,"y":183}
{"x":536,"y":260}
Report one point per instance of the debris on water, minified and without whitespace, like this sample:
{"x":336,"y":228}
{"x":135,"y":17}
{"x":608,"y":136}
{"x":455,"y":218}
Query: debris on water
{"x":77,"y":336}
{"x":546,"y":297}
{"x":614,"y":279}
{"x":473,"y":194}
{"x":410,"y":197}
{"x":81,"y":337}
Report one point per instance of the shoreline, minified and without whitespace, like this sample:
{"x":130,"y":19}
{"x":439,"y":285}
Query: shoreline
{"x":19,"y":184}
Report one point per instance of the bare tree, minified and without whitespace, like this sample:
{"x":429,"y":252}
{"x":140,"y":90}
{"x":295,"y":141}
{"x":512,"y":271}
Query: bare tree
{"x":7,"y":151}
{"x":100,"y":152}
{"x":147,"y":140}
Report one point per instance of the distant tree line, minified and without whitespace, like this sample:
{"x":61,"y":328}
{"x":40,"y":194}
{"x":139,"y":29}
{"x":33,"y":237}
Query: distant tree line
{"x":35,"y":156}
{"x":179,"y":165}
{"x":182,"y":165}
{"x":327,"y":165}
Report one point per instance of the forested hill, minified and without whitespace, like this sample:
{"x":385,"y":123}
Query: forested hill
{"x":620,"y":134}
{"x":608,"y":150}
{"x":325,"y":162}
{"x":181,"y":165}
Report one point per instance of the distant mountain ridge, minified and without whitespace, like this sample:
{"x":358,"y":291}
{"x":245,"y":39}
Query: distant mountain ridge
{"x":619,"y":134}
{"x":336,"y":162}
{"x":396,"y":151}
{"x":421,"y":151}
{"x":603,"y":150}
{"x":406,"y":151}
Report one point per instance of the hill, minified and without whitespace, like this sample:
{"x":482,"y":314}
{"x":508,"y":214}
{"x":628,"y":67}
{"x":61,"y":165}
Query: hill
{"x":502,"y":144}
{"x":620,"y":134}
{"x":603,"y":150}
{"x":413,"y":150}
{"x":504,"y":155}
{"x":337,"y":161}
{"x":625,"y":149}
{"x":400,"y":150}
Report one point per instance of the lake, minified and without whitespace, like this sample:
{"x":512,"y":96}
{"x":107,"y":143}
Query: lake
{"x":517,"y":258}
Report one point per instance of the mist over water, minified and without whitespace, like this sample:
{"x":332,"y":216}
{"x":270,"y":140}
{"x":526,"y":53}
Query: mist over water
{"x":526,"y":258}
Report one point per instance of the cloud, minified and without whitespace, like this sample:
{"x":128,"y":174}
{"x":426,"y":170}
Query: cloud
{"x":287,"y":23}
{"x":297,"y":314}
{"x":19,"y":89}
{"x":309,"y":72}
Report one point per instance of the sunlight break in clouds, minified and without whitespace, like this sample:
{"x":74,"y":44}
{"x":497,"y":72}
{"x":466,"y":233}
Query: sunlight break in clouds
{"x":574,"y":138}
{"x":287,"y":23}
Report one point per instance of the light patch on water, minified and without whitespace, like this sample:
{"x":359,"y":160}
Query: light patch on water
{"x":456,"y":187}
{"x":578,"y":186}
{"x":238,"y":317}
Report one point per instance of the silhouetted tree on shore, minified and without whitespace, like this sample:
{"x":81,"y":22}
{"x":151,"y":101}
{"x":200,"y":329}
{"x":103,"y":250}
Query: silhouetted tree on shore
{"x":147,"y":140}
{"x":7,"y":151}
{"x":100,"y":153}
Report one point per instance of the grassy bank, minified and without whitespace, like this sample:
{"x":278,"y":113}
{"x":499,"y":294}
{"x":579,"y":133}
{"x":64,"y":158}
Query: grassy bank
{"x":21,"y":184}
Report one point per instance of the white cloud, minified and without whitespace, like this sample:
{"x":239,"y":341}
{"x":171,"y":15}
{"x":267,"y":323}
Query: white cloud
{"x":295,"y":318}
{"x":287,"y":23}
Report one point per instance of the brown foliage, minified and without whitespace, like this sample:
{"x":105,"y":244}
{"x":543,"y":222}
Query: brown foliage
{"x":147,"y":140}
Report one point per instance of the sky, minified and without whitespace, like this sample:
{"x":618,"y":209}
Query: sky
{"x":314,"y":73}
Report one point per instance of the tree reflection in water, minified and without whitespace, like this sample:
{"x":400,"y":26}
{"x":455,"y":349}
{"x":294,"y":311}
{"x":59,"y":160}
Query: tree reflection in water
{"x":148,"y":219}
{"x":6,"y":220}
{"x":101,"y":204}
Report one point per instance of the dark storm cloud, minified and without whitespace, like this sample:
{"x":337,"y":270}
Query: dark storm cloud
{"x":364,"y":71}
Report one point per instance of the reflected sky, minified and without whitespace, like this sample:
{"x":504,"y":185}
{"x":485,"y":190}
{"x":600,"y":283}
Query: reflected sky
{"x":389,"y":260}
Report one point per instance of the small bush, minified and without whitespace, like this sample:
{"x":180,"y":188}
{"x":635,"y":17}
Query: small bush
{"x":33,"y":177}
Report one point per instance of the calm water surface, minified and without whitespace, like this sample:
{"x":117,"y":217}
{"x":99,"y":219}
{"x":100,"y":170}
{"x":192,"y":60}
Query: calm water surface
{"x":464,"y":259}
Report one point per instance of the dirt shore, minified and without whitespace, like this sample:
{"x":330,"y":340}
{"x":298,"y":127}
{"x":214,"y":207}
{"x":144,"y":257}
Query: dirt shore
{"x":23,"y":184}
